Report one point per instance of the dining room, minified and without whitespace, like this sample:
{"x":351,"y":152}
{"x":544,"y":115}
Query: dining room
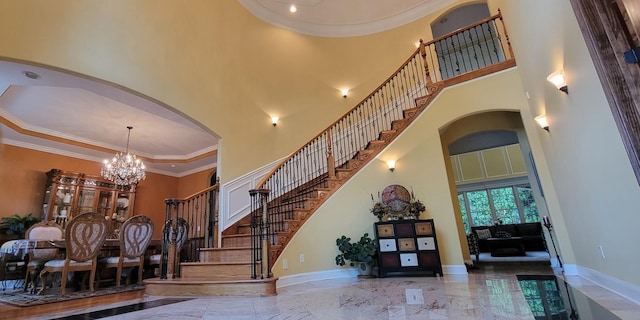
{"x":84,"y":259}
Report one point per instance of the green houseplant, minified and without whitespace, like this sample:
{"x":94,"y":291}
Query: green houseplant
{"x":17,"y":225}
{"x":361,"y":253}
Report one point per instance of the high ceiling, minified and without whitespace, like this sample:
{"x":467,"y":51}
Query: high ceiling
{"x":74,"y":115}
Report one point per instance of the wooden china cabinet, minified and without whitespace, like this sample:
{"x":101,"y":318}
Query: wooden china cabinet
{"x":68,"y":194}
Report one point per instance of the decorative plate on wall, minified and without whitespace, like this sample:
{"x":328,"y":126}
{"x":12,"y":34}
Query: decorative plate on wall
{"x":396,"y":197}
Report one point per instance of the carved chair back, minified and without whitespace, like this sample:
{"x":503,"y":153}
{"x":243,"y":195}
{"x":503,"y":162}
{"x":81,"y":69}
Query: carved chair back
{"x":85,"y":235}
{"x":135,"y":236}
{"x":44,"y":230}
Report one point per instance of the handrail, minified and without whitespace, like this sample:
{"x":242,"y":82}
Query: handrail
{"x":480,"y":48}
{"x":266,"y":176}
{"x":463,"y":50}
{"x":466,"y":28}
{"x":200,"y":212}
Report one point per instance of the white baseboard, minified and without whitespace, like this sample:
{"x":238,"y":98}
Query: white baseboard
{"x":455,"y":269}
{"x":620,"y":287}
{"x":285,"y":281}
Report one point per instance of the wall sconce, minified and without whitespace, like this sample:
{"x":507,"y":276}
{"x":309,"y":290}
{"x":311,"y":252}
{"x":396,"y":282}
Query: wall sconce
{"x":345,"y":92}
{"x":557,"y":78}
{"x":542,"y":121}
{"x":391,"y":164}
{"x":274,"y":120}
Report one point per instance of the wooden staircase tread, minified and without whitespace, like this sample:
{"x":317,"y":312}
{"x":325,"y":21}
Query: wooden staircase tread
{"x":225,"y":248}
{"x":215,"y":263}
{"x":236,"y":235}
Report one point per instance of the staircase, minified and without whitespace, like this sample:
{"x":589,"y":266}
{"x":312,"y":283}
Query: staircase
{"x":219,"y":272}
{"x":304,"y":181}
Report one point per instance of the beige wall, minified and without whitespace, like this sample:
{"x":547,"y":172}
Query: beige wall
{"x":421,"y":165}
{"x":214,"y":62}
{"x":589,"y":172}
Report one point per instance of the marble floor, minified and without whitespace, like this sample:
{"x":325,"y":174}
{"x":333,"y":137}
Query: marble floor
{"x":489,"y":292}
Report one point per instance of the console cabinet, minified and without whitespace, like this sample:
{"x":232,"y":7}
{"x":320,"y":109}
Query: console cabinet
{"x":68,"y":194}
{"x":407,"y":247}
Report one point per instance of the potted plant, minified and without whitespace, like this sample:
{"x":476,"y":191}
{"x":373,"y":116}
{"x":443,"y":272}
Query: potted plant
{"x":16,"y":225}
{"x":361,"y":253}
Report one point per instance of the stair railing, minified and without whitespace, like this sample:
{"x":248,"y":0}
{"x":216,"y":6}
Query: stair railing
{"x":260,"y":233}
{"x":200,"y":211}
{"x":481,"y":48}
{"x":474,"y":47}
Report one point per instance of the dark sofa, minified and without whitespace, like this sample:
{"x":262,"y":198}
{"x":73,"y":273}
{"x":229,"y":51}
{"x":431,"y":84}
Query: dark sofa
{"x":531,"y":234}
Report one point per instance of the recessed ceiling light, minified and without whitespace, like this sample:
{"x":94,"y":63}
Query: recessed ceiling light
{"x":31,"y":75}
{"x":173,"y":166}
{"x":293,"y":8}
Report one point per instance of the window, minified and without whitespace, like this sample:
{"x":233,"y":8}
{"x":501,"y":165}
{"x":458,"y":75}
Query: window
{"x":488,"y":205}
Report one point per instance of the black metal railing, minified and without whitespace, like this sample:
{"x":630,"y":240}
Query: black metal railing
{"x":471,"y":48}
{"x":261,"y":235}
{"x":199,"y":213}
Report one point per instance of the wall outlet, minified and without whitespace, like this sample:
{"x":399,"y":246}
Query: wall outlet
{"x":602,"y":252}
{"x":302,"y":257}
{"x":414,"y":296}
{"x":285,"y":264}
{"x":198,"y":228}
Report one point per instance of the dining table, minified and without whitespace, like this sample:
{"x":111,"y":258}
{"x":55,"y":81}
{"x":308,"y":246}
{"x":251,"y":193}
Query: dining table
{"x":22,"y":247}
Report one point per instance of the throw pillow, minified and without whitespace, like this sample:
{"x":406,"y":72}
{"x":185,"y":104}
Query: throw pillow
{"x":483,"y":233}
{"x":503,"y":234}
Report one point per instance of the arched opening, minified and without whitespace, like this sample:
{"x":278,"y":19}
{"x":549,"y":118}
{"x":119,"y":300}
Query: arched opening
{"x":495,"y":187}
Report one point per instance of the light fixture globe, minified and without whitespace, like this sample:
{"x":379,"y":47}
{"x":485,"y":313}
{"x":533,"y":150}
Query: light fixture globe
{"x":558,"y":80}
{"x":124,"y":169}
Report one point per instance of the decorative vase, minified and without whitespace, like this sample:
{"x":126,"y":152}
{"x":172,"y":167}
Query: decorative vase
{"x":67,"y":198}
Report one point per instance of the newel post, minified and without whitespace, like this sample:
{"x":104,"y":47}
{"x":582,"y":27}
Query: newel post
{"x":331,"y":163}
{"x":423,"y":53}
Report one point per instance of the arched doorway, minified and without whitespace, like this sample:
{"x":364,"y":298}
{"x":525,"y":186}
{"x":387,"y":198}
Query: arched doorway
{"x":493,"y":179}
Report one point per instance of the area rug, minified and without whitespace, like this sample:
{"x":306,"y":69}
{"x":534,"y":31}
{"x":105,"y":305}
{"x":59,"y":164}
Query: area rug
{"x":25,"y":299}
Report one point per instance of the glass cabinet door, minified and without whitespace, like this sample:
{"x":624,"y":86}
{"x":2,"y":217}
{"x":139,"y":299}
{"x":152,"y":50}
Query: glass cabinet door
{"x":63,"y":203}
{"x":105,"y":203}
{"x":122,"y":205}
{"x":87,"y":200}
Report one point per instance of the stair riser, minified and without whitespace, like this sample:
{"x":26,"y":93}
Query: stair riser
{"x":217,"y":272}
{"x":243,"y":255}
{"x":244,"y":229}
{"x":213,"y":289}
{"x":236,"y":242}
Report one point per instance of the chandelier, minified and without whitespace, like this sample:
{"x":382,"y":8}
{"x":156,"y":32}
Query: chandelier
{"x":124,"y":169}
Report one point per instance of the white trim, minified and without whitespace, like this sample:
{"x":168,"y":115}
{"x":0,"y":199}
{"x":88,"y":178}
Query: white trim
{"x":623,"y":288}
{"x":343,"y":30}
{"x":248,"y":181}
{"x":453,"y":273}
{"x":455,"y":269}
{"x":66,"y":153}
{"x":300,"y":278}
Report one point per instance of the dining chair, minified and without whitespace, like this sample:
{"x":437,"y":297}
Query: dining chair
{"x":44,"y":230}
{"x":84,"y":236}
{"x":181,"y":232}
{"x":12,"y":264}
{"x":135,"y":236}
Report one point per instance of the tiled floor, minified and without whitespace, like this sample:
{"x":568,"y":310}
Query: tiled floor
{"x":491,"y":292}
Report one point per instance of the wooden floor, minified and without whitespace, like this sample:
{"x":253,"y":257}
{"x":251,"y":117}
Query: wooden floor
{"x":8,"y":311}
